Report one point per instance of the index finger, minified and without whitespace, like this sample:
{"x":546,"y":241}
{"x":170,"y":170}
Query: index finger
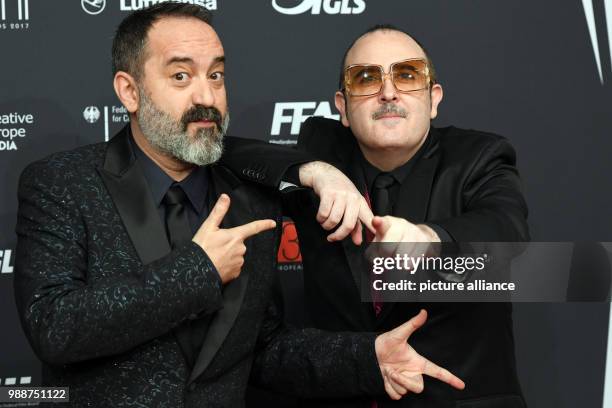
{"x":366,"y":215}
{"x":442,"y":374}
{"x":253,"y":228}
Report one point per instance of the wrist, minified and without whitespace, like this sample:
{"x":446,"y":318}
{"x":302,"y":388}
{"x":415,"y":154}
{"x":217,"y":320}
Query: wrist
{"x":309,"y":171}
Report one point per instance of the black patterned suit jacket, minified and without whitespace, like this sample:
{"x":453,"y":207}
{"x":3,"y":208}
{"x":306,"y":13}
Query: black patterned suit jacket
{"x":102,"y":297}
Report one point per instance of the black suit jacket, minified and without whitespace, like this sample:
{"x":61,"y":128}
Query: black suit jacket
{"x":466,"y":182}
{"x":102,"y":297}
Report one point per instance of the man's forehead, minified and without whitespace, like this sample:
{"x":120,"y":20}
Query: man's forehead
{"x":384,"y":47}
{"x":185,"y":37}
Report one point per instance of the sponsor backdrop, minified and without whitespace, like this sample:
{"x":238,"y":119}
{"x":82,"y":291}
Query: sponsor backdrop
{"x":537,"y":72}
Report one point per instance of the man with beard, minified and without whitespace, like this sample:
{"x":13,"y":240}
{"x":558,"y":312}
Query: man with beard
{"x":136,"y":289}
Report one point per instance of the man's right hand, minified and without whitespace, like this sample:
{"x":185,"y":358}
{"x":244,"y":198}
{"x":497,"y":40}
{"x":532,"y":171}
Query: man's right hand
{"x":341,"y":205}
{"x":225,"y":247}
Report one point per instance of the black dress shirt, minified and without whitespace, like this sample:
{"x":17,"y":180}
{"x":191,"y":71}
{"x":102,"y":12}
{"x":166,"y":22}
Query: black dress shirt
{"x":196,"y":187}
{"x":199,"y":191}
{"x":399,"y":174}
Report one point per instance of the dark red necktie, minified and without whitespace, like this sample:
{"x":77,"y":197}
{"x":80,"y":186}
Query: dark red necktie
{"x":380,"y":207}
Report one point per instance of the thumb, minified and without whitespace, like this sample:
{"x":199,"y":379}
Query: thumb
{"x":215,"y":217}
{"x":405,"y":330}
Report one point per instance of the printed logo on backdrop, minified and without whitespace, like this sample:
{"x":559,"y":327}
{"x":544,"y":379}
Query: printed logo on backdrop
{"x":131,"y":5}
{"x":289,"y":256}
{"x":93,"y":7}
{"x":6,"y":265}
{"x":599,"y":51}
{"x":14,"y":14}
{"x":293,"y":7}
{"x":289,"y":116}
{"x":14,"y":129}
{"x":91,"y":114}
{"x":112,"y":114}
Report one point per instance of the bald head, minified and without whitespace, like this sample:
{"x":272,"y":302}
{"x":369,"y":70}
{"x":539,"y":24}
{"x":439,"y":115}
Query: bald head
{"x":384,"y":42}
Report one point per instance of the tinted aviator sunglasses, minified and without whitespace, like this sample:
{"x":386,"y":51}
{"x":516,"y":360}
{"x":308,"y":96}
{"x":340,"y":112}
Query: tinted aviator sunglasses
{"x":406,"y":76}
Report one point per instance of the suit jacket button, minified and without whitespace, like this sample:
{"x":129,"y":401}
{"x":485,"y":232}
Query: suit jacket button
{"x":193,"y":316}
{"x":192,"y":387}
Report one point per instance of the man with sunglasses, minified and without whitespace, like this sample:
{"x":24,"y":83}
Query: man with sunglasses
{"x":425,"y":184}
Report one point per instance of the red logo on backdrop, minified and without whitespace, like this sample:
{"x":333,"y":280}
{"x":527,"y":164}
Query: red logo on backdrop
{"x":289,"y":250}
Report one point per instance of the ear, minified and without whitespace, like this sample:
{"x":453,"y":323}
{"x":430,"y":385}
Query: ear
{"x":436,"y":97}
{"x":127,"y":91}
{"x":340,"y":102}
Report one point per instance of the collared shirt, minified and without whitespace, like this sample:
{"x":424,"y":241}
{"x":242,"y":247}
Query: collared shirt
{"x":195,"y":185}
{"x":399,"y":174}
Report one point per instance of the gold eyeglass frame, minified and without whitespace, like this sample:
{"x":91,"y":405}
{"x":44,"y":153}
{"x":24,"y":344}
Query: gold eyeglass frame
{"x":385,"y":75}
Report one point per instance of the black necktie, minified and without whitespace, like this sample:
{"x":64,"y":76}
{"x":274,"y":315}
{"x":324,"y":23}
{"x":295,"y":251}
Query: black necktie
{"x":179,"y":232}
{"x":380,"y":194}
{"x":177,"y":223}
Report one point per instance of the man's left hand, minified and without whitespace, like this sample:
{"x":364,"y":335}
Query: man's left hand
{"x":402,"y":367}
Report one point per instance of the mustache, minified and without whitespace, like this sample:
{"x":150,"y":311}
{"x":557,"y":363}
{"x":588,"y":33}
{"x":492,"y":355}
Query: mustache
{"x":199,"y":112}
{"x":388,"y":108}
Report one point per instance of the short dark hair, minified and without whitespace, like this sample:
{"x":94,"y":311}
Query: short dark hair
{"x":130,"y":42}
{"x":385,"y":27}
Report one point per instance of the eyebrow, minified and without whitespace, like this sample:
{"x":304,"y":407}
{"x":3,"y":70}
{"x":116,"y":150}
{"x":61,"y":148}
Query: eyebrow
{"x":190,"y":61}
{"x":178,"y":60}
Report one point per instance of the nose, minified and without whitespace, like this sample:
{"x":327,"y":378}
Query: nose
{"x":388,"y":92}
{"x":203,"y":94}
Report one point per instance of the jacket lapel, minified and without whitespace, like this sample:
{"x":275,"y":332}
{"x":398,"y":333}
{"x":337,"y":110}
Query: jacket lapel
{"x":343,"y":159}
{"x":354,"y":253}
{"x":130,"y":193}
{"x":413,"y":198}
{"x":233,"y":293}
